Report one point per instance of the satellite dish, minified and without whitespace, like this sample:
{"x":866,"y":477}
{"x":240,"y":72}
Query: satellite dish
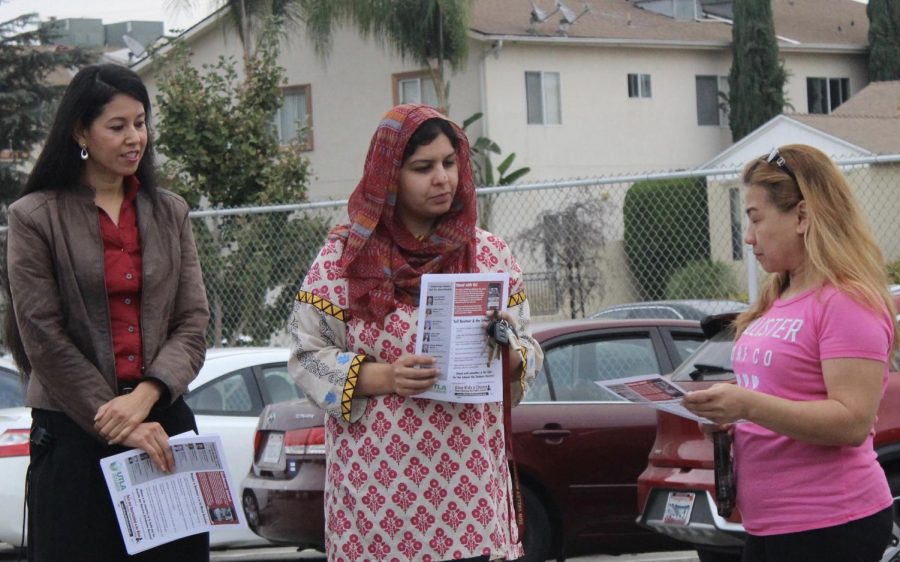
{"x":538,"y":16}
{"x":568,"y":16}
{"x":134,"y":45}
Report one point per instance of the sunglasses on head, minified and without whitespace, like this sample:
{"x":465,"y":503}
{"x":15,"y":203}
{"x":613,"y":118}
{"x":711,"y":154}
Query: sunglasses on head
{"x":777,"y":159}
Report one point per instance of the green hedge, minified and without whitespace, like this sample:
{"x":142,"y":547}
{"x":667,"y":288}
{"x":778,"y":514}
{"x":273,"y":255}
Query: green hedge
{"x":666,"y":227}
{"x":703,"y":280}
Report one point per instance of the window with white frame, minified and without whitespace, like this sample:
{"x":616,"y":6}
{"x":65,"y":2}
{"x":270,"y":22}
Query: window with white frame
{"x":542,"y":98}
{"x":415,"y":87}
{"x":710,"y":108}
{"x":639,"y":86}
{"x":293,"y":120}
{"x":823,"y":95}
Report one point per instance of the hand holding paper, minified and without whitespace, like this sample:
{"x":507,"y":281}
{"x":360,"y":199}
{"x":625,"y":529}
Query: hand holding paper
{"x":152,"y":438}
{"x":720,"y":403}
{"x":413,"y":374}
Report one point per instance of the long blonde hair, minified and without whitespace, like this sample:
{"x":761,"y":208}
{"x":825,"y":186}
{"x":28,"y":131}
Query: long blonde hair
{"x":839,"y":243}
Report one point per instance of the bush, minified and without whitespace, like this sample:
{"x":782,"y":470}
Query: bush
{"x":703,"y":280}
{"x":893,"y":272}
{"x":666,"y":227}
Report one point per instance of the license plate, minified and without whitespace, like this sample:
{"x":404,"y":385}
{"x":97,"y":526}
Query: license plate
{"x":274,"y":447}
{"x":678,"y":508}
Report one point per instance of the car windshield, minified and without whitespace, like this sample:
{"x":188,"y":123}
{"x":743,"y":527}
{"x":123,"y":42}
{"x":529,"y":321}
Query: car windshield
{"x":711,"y":361}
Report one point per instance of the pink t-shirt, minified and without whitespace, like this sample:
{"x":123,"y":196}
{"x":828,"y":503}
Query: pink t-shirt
{"x":783,"y":485}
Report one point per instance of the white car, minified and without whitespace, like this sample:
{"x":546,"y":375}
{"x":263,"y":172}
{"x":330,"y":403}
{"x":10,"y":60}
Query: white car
{"x":227,"y":397}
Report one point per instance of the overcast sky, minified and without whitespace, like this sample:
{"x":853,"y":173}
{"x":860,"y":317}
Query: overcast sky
{"x":173,"y":12}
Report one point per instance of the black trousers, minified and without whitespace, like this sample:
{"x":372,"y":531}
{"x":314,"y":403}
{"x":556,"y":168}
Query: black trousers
{"x":863,"y":540}
{"x":70,"y":513}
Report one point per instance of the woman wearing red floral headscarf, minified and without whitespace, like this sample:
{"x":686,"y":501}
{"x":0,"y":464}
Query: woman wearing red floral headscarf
{"x":407,"y":478}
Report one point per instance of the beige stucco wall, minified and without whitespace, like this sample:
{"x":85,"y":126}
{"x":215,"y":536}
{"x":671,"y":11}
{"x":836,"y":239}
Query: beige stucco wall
{"x":801,"y":66}
{"x":603,"y":131}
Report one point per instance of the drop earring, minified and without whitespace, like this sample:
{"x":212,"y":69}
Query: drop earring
{"x":84,"y":152}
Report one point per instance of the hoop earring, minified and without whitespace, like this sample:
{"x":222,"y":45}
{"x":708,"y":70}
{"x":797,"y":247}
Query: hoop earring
{"x":84,"y":152}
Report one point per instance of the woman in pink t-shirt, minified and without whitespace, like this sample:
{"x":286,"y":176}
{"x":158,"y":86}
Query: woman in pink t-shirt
{"x":811,"y":363}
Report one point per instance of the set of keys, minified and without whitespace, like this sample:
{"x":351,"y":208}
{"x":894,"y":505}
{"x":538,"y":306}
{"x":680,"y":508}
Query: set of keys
{"x":497,"y":334}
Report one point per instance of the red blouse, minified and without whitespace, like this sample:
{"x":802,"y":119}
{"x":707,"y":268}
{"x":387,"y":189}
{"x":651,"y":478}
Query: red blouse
{"x":122,"y":260}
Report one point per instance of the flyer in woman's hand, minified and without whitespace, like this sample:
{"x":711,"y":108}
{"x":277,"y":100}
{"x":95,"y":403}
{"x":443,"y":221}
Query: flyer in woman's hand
{"x":154,"y":507}
{"x":453,"y":311}
{"x":653,"y":391}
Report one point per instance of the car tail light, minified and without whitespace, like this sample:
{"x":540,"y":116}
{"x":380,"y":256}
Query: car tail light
{"x":257,"y":442}
{"x":309,"y":441}
{"x":14,"y":443}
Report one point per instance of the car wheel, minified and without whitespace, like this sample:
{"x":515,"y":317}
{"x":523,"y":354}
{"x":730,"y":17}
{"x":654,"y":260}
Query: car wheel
{"x":714,"y":556}
{"x":538,"y":535}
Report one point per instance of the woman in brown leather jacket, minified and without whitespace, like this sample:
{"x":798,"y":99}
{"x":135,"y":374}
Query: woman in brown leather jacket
{"x":108,"y":315}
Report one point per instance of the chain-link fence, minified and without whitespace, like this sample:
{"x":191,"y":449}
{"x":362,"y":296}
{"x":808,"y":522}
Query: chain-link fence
{"x":588,"y":245}
{"x":584,"y":245}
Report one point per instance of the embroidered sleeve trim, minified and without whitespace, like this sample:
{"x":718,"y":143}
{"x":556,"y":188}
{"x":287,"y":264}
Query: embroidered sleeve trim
{"x":350,"y":387}
{"x":524,"y":353}
{"x":324,"y":305}
{"x":516,"y":299}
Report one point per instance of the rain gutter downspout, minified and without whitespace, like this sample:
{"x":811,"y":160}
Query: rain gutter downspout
{"x":494,"y":50}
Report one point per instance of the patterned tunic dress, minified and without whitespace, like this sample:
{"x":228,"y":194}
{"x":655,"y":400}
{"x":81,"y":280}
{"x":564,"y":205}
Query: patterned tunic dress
{"x":408,"y":479}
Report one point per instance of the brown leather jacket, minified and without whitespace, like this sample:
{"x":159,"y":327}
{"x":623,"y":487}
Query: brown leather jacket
{"x":56,"y":275}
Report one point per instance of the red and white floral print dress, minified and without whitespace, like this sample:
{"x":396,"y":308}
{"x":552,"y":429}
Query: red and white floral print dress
{"x":408,"y":479}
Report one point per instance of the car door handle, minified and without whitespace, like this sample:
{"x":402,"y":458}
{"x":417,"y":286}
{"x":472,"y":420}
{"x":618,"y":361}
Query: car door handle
{"x":551,"y":433}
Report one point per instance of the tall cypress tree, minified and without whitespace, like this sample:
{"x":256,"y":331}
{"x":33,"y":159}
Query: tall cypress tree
{"x":884,"y":39}
{"x":26,"y":99}
{"x":757,"y":77}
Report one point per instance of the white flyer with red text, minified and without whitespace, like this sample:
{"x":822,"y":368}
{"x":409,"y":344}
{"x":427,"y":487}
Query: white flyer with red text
{"x":155,"y":508}
{"x":453,"y":309}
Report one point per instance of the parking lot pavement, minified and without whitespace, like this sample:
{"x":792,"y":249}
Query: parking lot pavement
{"x":278,"y":554}
{"x":266,"y":554}
{"x":288,"y":553}
{"x":681,"y":556}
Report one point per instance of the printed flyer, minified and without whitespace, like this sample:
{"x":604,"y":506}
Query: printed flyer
{"x":654,"y":391}
{"x":453,"y":310}
{"x":155,"y":508}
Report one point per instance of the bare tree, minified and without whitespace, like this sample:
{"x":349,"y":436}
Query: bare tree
{"x":572,"y":240}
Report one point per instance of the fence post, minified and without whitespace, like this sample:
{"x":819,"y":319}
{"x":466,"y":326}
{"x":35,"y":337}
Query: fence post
{"x":752,"y":275}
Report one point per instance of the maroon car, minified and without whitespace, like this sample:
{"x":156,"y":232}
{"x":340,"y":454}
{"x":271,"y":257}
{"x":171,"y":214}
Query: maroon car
{"x":579,"y":450}
{"x":680,"y":468}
